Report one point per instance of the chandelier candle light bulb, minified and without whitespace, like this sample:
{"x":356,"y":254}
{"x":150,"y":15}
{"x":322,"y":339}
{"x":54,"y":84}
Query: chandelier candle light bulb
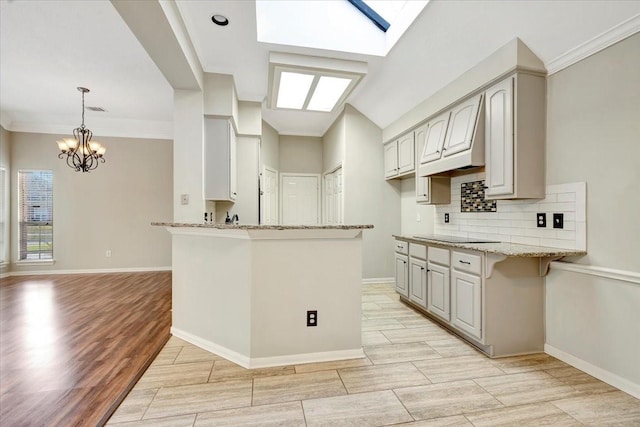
{"x":82,"y":154}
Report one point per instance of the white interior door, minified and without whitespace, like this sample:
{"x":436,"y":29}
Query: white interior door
{"x":269,"y":196}
{"x":300,"y":199}
{"x":332,"y":194}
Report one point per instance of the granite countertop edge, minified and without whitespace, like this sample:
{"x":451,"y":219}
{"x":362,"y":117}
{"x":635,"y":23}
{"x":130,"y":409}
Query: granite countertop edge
{"x":263,"y":227}
{"x":502,"y":248}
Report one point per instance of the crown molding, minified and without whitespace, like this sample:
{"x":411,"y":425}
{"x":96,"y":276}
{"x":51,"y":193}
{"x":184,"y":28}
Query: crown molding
{"x":600,"y":42}
{"x":142,"y":129}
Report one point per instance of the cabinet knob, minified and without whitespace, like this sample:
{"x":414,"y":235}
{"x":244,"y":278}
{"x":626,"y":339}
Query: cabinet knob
{"x":400,"y":246}
{"x":421,"y":268}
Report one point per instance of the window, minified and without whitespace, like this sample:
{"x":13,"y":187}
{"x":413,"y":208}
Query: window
{"x":4,"y":216}
{"x":35,"y":193}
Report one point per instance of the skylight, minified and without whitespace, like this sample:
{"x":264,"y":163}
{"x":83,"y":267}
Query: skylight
{"x":334,"y":25}
{"x":311,"y":83}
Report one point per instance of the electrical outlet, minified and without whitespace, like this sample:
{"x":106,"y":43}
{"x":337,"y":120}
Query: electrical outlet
{"x":446,"y":218}
{"x":184,"y":199}
{"x":558,"y":220}
{"x":108,"y":254}
{"x":541,"y":220}
{"x":418,"y":217}
{"x":312,"y":318}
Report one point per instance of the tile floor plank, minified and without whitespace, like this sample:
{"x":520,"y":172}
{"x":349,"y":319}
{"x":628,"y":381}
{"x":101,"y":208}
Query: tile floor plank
{"x":297,"y":387}
{"x":280,"y":414}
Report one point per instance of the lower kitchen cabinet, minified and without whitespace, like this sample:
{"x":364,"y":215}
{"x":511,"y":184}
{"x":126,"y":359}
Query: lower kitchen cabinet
{"x":466,"y":292}
{"x":438,"y":286}
{"x":418,"y":281}
{"x":493,"y":301}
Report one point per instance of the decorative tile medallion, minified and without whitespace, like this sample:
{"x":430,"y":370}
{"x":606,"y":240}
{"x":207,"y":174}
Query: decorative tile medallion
{"x":472,"y":198}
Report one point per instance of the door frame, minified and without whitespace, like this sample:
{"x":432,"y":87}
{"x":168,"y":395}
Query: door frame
{"x":277,"y":189}
{"x":319,"y":195}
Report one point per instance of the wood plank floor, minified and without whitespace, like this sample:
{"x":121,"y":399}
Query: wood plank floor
{"x":72,"y":346}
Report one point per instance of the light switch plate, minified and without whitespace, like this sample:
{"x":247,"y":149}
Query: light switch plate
{"x":558,"y":220}
{"x":184,"y":199}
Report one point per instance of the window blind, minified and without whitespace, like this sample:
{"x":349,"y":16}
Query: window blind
{"x":35,"y":200}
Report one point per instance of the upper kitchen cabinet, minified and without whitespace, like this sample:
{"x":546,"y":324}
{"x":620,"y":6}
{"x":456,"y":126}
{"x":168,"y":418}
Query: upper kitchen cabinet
{"x":462,"y":124}
{"x":399,"y":157}
{"x":515,"y":138}
{"x":432,"y":136}
{"x":434,"y":189}
{"x":220,"y":176}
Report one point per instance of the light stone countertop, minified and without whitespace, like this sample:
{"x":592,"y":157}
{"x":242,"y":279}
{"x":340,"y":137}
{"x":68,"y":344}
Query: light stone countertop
{"x":508,"y":249}
{"x":262,"y":227}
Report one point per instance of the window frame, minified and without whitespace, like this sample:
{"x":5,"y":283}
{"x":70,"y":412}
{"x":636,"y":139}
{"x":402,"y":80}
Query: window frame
{"x":23,"y":254}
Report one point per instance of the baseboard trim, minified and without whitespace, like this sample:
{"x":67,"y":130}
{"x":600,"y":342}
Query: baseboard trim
{"x":600,"y":42}
{"x":88,"y":271}
{"x":266,"y":362}
{"x":378,"y":280}
{"x":609,"y":273}
{"x":602,"y":374}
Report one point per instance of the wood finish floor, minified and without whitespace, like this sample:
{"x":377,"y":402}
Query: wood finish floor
{"x":71,"y":346}
{"x":414,"y":373}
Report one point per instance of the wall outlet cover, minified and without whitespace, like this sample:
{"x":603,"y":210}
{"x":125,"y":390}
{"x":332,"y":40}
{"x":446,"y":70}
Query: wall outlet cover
{"x":558,"y":220}
{"x":541,"y":220}
{"x":446,"y":218}
{"x":312,"y":318}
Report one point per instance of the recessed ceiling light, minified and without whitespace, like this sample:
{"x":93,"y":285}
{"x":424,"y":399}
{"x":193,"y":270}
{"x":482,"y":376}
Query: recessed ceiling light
{"x":293,"y":90}
{"x":220,"y":20}
{"x":327,"y":93}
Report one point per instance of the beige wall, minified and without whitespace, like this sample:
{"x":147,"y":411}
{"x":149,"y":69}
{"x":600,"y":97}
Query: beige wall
{"x":333,"y":143}
{"x":368,"y":198}
{"x":5,"y":163}
{"x":269,"y":147}
{"x":593,"y":135}
{"x":108,"y":208}
{"x":300,"y":154}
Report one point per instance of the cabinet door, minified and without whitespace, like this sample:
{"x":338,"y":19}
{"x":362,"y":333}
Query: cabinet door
{"x":499,"y":139}
{"x":461,"y":126}
{"x":391,"y":159}
{"x":422,"y":189}
{"x":406,"y":154}
{"x":233,"y":165}
{"x":402,"y":274}
{"x":418,"y":281}
{"x":438,"y":291}
{"x":434,"y":137}
{"x":466,"y":295}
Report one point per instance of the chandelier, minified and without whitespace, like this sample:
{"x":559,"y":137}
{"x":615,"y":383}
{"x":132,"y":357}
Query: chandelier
{"x":82,"y":154}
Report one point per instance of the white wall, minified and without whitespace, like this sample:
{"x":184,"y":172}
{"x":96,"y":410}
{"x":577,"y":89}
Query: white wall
{"x":110,"y":207}
{"x":188,"y":137}
{"x":409,"y":223}
{"x":368,"y":198}
{"x":300,"y":154}
{"x":593,"y":134}
{"x":333,"y":143}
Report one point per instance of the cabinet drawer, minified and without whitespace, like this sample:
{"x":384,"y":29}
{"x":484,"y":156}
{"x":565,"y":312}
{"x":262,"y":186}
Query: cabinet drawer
{"x":401,"y":247}
{"x":418,"y":251}
{"x":467,"y":262}
{"x":439,"y":255}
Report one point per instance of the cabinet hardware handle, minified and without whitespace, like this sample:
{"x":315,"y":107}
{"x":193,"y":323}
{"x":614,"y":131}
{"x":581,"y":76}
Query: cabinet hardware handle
{"x":421,"y":268}
{"x":400,"y":246}
{"x":465,"y":262}
{"x":437,"y":151}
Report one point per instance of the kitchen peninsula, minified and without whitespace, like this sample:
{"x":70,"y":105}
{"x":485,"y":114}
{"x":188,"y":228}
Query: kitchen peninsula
{"x":245,"y":292}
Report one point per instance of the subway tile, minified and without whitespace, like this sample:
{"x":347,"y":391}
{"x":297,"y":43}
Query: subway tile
{"x":566,"y":197}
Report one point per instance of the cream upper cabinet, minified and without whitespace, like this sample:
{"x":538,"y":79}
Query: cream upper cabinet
{"x":220,"y":169}
{"x":515,"y":138}
{"x":499,"y":139}
{"x":406,"y":154}
{"x":461,"y":126}
{"x":391,"y":159}
{"x":432,"y":136}
{"x":399,"y":157}
{"x":430,"y":190}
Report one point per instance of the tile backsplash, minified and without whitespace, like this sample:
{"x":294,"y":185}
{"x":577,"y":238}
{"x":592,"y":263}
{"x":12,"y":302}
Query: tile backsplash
{"x":515,"y":220}
{"x":472,"y":198}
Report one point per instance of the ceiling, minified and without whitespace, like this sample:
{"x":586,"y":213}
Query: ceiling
{"x":48,"y":48}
